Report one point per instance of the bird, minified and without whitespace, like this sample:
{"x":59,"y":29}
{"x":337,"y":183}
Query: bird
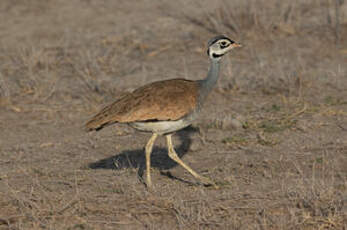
{"x":164,"y":107}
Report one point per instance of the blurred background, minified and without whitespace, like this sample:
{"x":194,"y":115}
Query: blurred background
{"x":84,"y":49}
{"x":272,"y":134}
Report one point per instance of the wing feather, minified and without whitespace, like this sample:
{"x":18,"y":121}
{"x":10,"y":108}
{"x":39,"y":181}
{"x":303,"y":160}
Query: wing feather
{"x":163,"y":100}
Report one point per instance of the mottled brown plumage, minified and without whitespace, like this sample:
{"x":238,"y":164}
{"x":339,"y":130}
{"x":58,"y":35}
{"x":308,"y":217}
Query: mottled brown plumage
{"x":163,"y":101}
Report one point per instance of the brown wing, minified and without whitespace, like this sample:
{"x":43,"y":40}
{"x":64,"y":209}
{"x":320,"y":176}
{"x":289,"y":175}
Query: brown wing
{"x":163,"y":100}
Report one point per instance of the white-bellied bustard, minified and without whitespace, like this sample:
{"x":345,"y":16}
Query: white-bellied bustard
{"x":164,"y":107}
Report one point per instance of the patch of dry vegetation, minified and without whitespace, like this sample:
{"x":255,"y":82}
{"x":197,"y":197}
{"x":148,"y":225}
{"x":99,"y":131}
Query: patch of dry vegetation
{"x":272,"y":134}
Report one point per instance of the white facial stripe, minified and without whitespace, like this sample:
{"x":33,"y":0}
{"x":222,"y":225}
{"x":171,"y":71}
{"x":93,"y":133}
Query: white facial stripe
{"x":219,"y":47}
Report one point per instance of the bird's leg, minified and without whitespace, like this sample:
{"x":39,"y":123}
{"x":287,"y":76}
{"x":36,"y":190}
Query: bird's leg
{"x":149,"y":147}
{"x":173,"y":156}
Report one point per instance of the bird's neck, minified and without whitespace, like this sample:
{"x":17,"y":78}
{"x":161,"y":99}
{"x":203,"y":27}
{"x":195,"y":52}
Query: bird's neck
{"x":209,"y":82}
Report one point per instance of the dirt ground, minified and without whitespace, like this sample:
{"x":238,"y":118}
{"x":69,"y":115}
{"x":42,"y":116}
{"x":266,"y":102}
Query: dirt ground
{"x":273,"y":134}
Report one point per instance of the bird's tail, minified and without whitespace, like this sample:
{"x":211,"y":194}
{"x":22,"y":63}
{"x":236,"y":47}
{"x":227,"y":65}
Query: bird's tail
{"x":107,"y":116}
{"x":98,"y":122}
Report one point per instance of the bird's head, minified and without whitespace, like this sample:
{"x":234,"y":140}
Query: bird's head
{"x":220,"y":45}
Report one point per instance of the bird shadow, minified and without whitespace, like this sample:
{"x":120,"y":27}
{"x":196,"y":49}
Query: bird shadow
{"x":159,"y":157}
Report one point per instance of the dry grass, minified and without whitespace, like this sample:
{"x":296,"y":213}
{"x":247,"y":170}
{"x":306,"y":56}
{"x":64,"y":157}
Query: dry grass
{"x":272,"y":134}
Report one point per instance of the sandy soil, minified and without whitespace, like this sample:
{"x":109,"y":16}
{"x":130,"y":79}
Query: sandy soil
{"x":273,"y":134}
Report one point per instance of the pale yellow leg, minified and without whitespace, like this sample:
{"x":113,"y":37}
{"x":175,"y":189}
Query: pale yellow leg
{"x":173,"y":156}
{"x":149,"y":147}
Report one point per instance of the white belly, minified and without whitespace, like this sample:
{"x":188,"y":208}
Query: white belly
{"x":161,"y":127}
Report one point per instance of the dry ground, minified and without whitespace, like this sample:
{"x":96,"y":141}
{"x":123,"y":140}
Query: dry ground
{"x":273,"y":134}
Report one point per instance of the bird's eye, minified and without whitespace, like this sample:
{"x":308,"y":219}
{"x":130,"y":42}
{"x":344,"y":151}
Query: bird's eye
{"x":223,"y":44}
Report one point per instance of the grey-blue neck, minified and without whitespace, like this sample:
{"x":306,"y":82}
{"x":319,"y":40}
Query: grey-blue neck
{"x":207,"y":84}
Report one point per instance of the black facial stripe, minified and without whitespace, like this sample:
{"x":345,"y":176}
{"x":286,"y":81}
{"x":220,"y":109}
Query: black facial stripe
{"x":217,"y":38}
{"x":224,"y":45}
{"x":217,"y":55}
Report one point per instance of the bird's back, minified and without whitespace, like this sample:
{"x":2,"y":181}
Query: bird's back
{"x":167,"y":100}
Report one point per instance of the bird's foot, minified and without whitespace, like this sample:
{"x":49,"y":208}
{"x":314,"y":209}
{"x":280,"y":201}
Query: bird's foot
{"x":208,"y":182}
{"x":149,"y":184}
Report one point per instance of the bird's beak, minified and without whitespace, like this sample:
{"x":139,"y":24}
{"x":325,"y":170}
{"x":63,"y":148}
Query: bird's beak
{"x":236,"y":45}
